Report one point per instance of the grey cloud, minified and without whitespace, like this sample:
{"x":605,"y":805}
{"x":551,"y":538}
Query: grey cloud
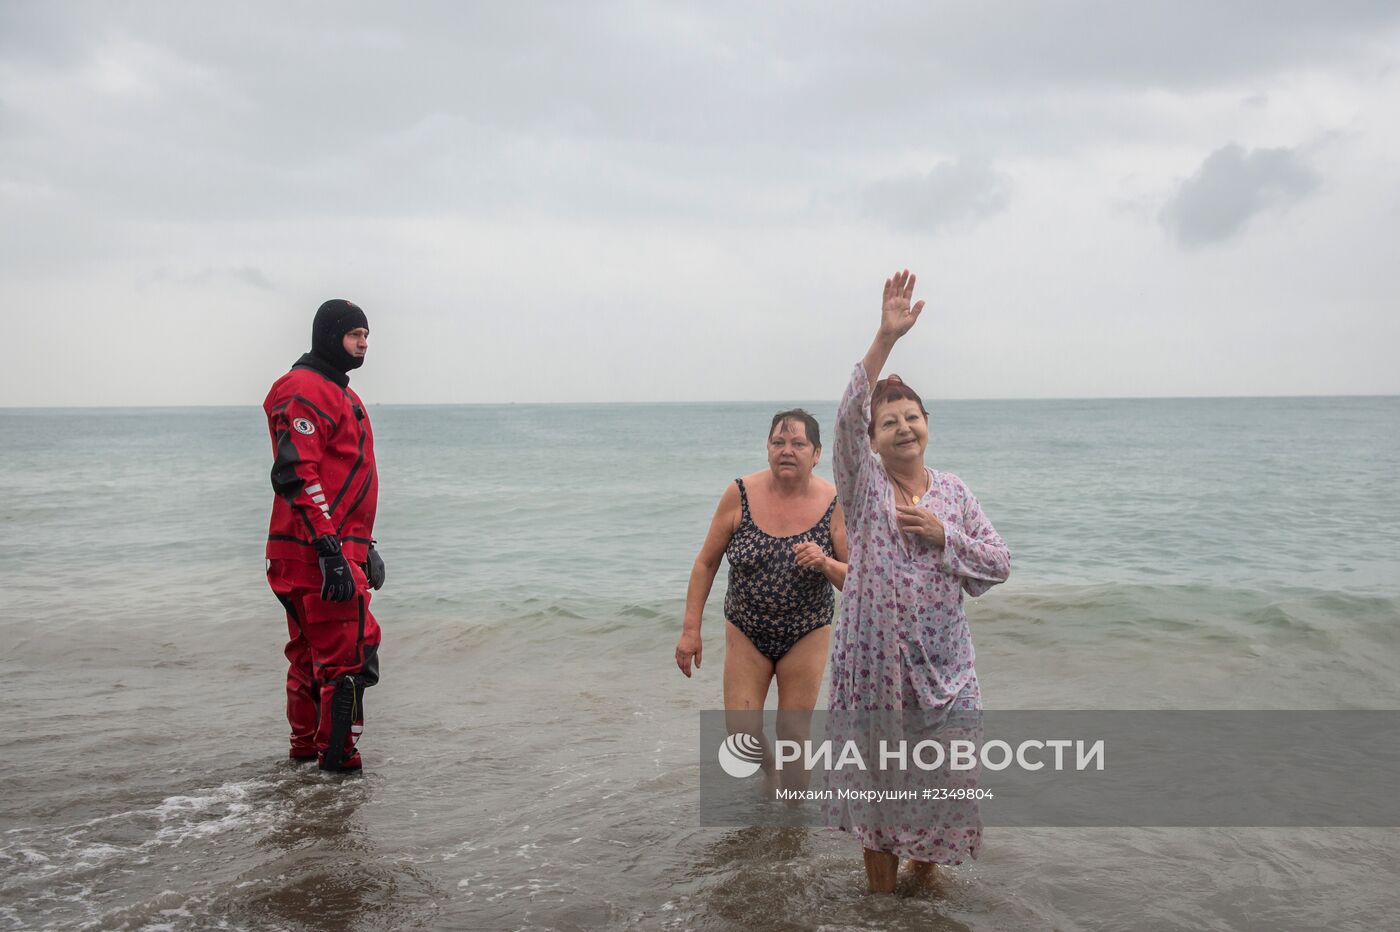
{"x":280,"y":146}
{"x":726,"y":113}
{"x":251,"y":276}
{"x":1232,"y":186}
{"x":154,"y":111}
{"x":248,"y":275}
{"x":953,"y":193}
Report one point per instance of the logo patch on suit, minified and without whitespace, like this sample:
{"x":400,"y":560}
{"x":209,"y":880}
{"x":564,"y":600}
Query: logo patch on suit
{"x":303,"y":426}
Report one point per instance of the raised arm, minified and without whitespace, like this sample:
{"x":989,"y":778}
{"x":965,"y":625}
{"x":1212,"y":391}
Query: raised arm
{"x":853,"y":455}
{"x":702,"y":576}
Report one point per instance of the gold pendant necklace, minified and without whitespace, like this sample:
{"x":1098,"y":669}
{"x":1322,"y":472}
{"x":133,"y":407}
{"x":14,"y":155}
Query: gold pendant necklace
{"x":913,"y":499}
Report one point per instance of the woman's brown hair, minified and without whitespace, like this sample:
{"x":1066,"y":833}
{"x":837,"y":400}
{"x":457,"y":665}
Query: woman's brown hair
{"x":890,"y":389}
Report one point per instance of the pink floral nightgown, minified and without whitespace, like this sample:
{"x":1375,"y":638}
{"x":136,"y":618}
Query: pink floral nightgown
{"x":903,"y":641}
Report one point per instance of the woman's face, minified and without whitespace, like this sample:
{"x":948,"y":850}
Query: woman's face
{"x":901,"y":432}
{"x":790,"y":454}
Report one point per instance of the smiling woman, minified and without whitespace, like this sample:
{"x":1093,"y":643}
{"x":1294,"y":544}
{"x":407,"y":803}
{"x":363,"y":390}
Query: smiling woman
{"x":919,"y":540}
{"x":900,"y":433}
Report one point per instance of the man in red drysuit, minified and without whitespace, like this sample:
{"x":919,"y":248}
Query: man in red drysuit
{"x":321,"y":561}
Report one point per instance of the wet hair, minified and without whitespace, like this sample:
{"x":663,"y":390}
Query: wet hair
{"x":892,"y":389}
{"x":814,"y":431}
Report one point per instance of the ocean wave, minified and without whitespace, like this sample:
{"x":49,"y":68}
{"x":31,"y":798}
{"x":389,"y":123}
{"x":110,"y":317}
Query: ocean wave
{"x":1228,"y":618}
{"x":55,"y":870}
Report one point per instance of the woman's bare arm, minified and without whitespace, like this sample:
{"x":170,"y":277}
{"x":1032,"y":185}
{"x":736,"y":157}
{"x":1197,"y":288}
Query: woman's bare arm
{"x":702,"y":577}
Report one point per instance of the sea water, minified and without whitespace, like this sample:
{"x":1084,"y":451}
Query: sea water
{"x":531,"y":751}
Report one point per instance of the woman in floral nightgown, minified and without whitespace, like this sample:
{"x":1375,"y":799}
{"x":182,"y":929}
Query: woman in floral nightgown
{"x":918,"y":540}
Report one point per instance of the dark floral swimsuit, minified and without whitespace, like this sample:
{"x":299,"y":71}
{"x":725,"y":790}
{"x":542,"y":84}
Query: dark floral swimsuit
{"x":771,"y":599}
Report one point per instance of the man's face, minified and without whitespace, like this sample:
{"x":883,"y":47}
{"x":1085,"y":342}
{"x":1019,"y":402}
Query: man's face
{"x":356,"y":342}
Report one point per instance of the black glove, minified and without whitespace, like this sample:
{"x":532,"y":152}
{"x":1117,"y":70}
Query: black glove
{"x":374,"y":568}
{"x":337,"y":582}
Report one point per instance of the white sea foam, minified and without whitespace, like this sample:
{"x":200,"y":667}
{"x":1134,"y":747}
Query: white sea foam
{"x":50,"y":856}
{"x":173,"y":806}
{"x":101,"y":852}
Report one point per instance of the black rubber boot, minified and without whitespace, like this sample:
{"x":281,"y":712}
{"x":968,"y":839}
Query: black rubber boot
{"x":349,"y":693}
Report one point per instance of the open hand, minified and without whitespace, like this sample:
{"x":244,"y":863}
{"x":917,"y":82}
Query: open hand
{"x":896,"y":314}
{"x":920,"y":522}
{"x":688,"y":649}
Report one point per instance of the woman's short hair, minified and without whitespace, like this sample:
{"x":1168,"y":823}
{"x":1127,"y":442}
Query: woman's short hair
{"x":892,"y":389}
{"x":814,"y":431}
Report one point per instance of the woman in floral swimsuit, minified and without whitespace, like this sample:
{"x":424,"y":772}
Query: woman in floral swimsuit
{"x":919,"y":541}
{"x":785,"y":537}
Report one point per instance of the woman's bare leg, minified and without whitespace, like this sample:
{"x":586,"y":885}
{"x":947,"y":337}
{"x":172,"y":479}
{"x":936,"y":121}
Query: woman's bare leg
{"x":800,"y":670}
{"x":881,"y":870}
{"x":799,"y":682}
{"x":924,"y":874}
{"x":747,"y":675}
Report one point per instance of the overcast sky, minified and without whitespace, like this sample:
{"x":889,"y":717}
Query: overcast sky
{"x":645,"y":201}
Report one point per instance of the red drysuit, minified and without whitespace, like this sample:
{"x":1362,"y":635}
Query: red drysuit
{"x":324,"y":477}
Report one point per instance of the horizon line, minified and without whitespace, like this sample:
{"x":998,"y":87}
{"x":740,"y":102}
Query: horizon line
{"x":778,"y":401}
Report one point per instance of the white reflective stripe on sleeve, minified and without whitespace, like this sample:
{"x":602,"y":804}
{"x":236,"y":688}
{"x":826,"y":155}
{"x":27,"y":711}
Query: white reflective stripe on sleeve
{"x":318,"y":499}
{"x":313,"y":489}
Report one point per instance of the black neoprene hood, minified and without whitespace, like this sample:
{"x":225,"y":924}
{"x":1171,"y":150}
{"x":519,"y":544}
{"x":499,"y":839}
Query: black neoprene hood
{"x":334,"y":319}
